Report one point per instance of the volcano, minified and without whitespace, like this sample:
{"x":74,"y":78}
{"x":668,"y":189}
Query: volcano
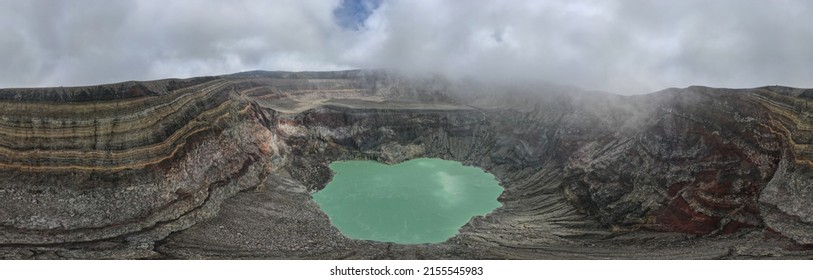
{"x":224,"y":167}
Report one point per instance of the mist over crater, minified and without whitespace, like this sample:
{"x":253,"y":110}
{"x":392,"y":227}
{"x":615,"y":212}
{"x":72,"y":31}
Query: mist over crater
{"x":227,"y":167}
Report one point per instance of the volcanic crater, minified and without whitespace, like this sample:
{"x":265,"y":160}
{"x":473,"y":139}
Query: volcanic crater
{"x":224,"y":167}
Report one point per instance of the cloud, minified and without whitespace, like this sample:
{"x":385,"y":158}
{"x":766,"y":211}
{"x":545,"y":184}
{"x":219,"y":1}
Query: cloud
{"x":628,"y":47}
{"x":87,"y":42}
{"x":620,"y":46}
{"x":351,"y":14}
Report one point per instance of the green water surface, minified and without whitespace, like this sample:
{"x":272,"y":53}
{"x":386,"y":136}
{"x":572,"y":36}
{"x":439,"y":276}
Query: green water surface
{"x":418,"y":201}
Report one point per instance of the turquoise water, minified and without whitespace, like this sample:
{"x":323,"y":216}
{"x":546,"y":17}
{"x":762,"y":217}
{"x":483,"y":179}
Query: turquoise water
{"x":418,"y":201}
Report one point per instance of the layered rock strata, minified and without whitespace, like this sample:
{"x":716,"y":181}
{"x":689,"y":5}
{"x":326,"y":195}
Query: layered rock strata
{"x":223,"y":167}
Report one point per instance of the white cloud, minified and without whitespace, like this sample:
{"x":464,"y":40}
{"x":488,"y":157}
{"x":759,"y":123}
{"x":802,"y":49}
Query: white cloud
{"x":620,"y":46}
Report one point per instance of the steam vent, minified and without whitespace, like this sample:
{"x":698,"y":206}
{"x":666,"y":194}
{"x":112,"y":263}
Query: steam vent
{"x":225,"y":166}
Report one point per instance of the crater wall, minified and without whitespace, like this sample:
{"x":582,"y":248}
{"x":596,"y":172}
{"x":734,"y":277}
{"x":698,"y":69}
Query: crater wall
{"x":206,"y":167}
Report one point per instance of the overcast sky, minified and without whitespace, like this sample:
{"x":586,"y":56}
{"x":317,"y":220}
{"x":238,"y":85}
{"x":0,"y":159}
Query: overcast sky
{"x":627,"y":47}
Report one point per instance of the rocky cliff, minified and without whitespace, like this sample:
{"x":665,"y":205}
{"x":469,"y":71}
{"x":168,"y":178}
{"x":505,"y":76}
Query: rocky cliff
{"x":223,"y":167}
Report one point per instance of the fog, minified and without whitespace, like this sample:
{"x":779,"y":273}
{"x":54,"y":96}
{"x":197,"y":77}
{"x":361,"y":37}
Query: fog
{"x":626,"y":47}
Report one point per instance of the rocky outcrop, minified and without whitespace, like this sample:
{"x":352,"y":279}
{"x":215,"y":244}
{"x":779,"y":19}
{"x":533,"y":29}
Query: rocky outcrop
{"x":222,"y":167}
